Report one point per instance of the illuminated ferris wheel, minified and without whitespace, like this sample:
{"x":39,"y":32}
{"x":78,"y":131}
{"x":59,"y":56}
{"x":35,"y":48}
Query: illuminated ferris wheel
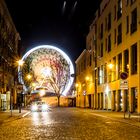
{"x":49,"y":68}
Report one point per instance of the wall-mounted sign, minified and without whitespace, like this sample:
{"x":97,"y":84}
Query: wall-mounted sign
{"x":19,"y":88}
{"x":123,"y":75}
{"x":123,"y":84}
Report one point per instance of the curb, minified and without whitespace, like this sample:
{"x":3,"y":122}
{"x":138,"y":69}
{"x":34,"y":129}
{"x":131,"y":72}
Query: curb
{"x":123,"y":120}
{"x":14,"y":117}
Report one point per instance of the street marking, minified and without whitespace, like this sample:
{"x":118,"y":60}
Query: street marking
{"x":26,"y":114}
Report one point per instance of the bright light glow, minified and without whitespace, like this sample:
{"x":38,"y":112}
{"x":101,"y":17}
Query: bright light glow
{"x":87,"y":78}
{"x":46,"y":71}
{"x":34,"y":108}
{"x":70,"y":82}
{"x":42,"y":92}
{"x":110,"y":66}
{"x":107,"y":89}
{"x":29,"y":76}
{"x":45,"y":107}
{"x":20,"y":62}
{"x":33,"y":84}
{"x":76,"y":85}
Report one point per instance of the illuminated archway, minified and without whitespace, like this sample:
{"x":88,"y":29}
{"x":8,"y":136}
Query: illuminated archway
{"x":40,"y":57}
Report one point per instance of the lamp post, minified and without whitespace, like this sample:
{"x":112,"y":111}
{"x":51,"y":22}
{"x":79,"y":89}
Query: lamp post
{"x":20,"y":86}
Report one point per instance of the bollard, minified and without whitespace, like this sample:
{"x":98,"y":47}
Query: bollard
{"x":124,"y":115}
{"x":129,"y":114}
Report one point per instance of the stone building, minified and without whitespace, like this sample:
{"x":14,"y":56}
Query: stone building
{"x":114,"y":44}
{"x":9,"y":50}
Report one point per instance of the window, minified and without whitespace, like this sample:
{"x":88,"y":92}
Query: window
{"x":101,"y":31}
{"x":119,"y":39}
{"x":109,"y":43}
{"x":132,"y":1}
{"x":134,"y":20}
{"x":100,"y":75}
{"x":95,"y":28}
{"x":109,"y":21}
{"x":126,"y":61}
{"x":119,"y":11}
{"x":105,"y":24}
{"x":127,"y":2}
{"x":127,"y":24}
{"x":84,"y":63}
{"x":114,"y":12}
{"x":119,"y":65}
{"x":0,"y":61}
{"x":105,"y":73}
{"x":114,"y":69}
{"x":106,"y":44}
{"x":134,"y":59}
{"x":90,"y":60}
{"x":114,"y":36}
{"x":101,"y":50}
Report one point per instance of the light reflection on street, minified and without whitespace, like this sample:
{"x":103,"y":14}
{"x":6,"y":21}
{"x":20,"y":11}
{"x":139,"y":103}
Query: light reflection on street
{"x":41,"y":118}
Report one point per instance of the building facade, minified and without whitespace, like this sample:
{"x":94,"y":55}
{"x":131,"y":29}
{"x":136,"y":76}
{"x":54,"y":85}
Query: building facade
{"x":84,"y":87}
{"x":115,"y":49}
{"x":9,"y":48}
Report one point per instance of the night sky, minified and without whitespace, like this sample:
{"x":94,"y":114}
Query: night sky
{"x":62,"y":23}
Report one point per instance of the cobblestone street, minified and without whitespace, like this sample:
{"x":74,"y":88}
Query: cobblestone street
{"x":67,"y":124}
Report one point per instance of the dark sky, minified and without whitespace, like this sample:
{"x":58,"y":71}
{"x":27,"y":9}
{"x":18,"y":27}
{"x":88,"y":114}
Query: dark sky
{"x":62,"y":23}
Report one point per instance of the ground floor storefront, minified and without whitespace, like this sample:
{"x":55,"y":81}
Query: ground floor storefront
{"x":115,"y":100}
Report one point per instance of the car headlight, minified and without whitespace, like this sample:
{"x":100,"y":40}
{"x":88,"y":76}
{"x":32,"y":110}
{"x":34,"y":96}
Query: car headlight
{"x":44,"y":107}
{"x":34,"y":107}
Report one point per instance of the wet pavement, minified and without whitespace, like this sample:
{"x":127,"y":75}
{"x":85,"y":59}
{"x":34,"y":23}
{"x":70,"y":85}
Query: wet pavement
{"x":70,"y":124}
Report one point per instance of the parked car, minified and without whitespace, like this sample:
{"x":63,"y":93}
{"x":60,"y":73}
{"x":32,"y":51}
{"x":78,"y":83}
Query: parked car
{"x":39,"y":106}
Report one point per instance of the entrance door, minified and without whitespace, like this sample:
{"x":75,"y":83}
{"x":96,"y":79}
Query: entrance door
{"x":101,"y":101}
{"x":98,"y":101}
{"x":119,"y":100}
{"x":114,"y":101}
{"x":134,"y":99}
{"x":126,"y":101}
{"x":89,"y":100}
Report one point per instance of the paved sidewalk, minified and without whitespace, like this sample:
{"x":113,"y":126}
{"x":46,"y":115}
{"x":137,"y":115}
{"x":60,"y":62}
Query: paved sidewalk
{"x":130,"y":118}
{"x":6,"y":116}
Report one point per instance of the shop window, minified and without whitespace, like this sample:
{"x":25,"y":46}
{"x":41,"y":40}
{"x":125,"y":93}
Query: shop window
{"x":120,"y":100}
{"x":134,"y":98}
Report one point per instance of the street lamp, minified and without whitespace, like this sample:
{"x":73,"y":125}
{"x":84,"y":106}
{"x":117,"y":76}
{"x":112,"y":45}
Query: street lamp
{"x":20,"y":64}
{"x":110,"y":66}
{"x":29,"y":77}
{"x":111,"y":74}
